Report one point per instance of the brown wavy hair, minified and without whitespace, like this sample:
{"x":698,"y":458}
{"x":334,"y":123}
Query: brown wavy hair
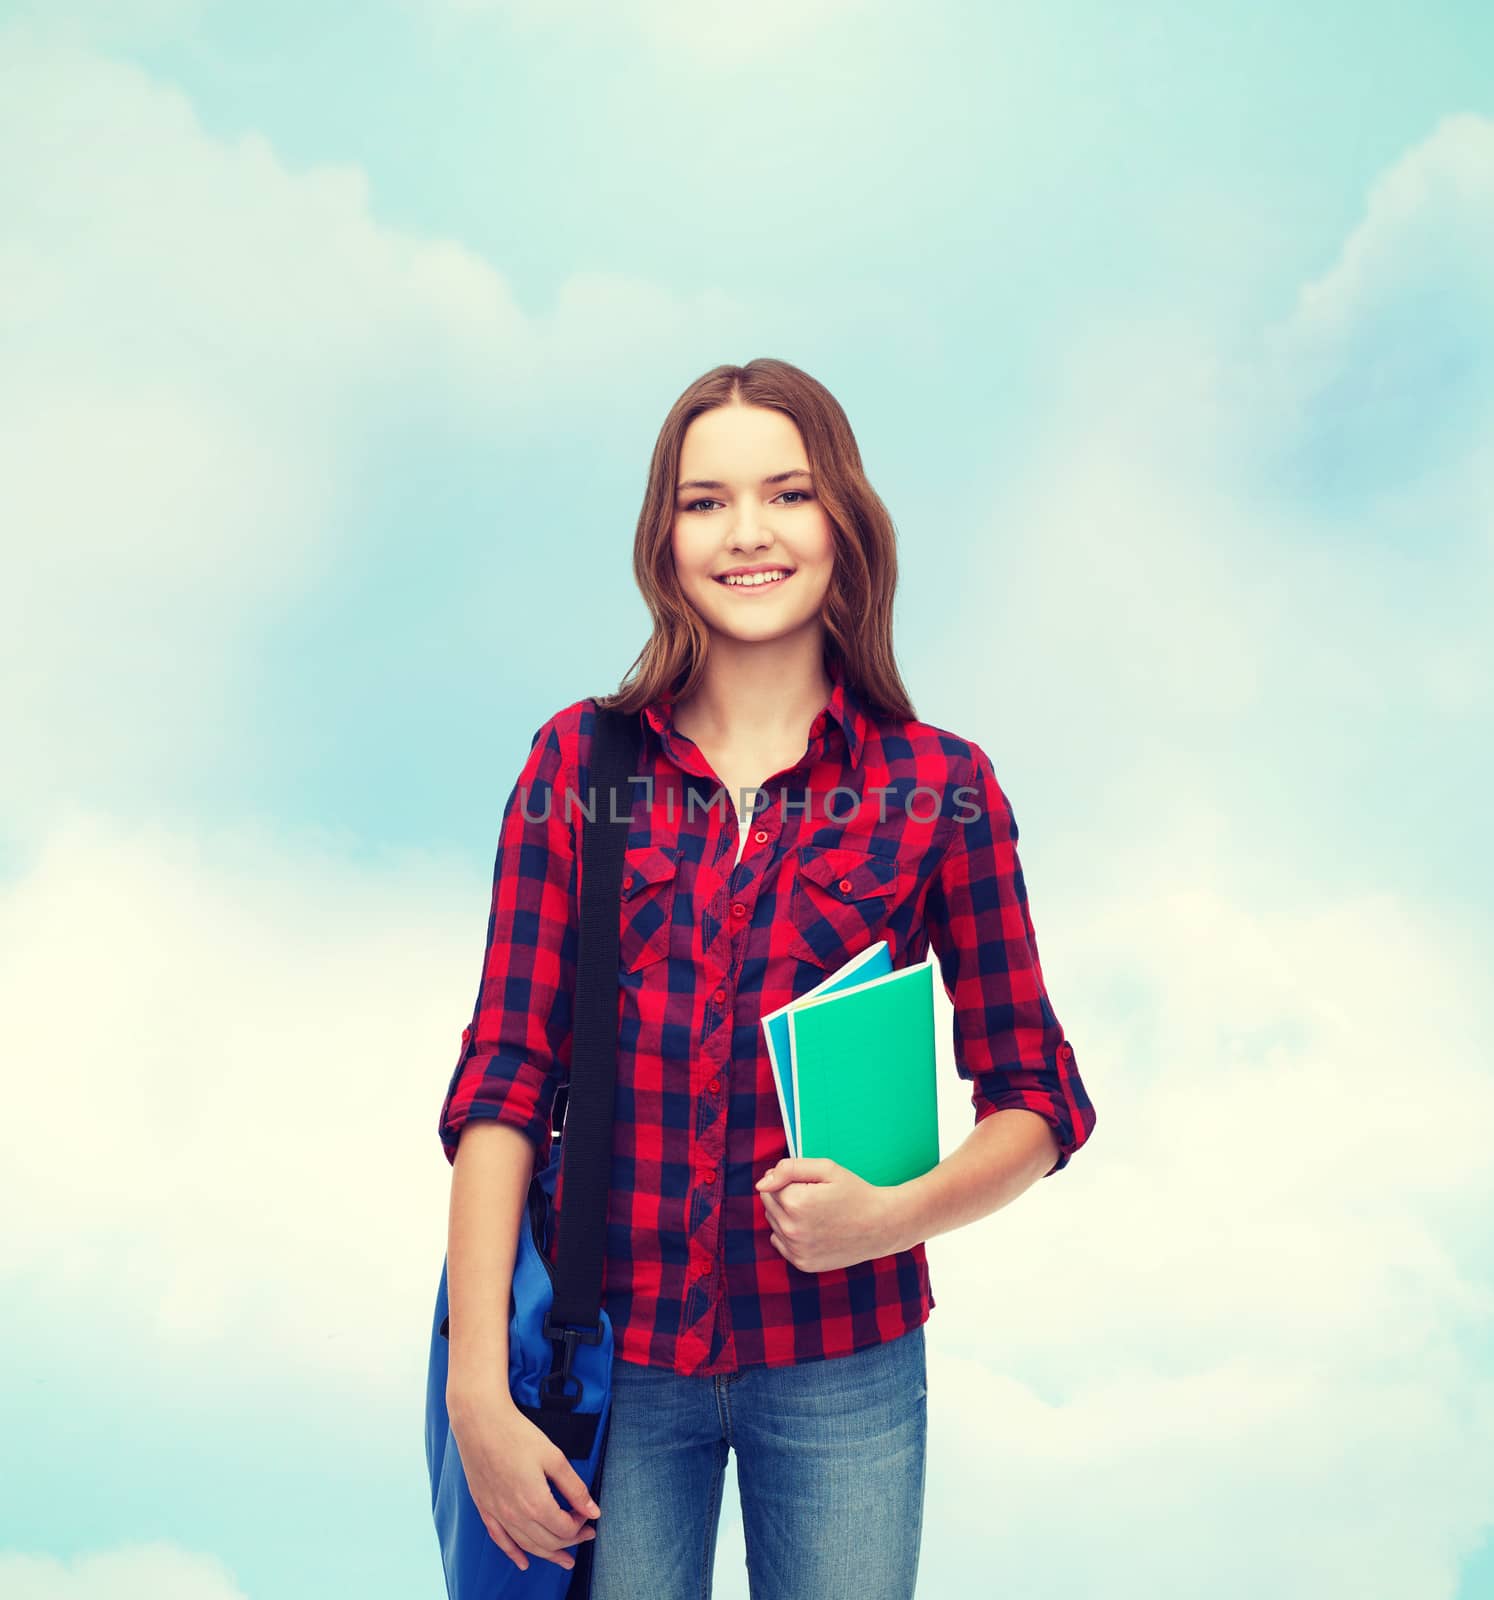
{"x":857,"y":613}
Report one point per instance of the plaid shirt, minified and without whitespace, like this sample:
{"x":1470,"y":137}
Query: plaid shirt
{"x":882,"y":830}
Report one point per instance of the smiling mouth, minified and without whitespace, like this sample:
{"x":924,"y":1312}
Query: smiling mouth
{"x":754,"y":583}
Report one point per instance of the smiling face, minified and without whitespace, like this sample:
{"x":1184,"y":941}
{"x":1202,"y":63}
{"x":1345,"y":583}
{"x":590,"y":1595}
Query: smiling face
{"x":746,"y":500}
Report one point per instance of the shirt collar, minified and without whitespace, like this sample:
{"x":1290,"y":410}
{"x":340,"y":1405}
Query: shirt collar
{"x":845,"y":708}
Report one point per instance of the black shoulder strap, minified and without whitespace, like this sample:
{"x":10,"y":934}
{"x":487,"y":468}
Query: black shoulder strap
{"x":586,"y":1148}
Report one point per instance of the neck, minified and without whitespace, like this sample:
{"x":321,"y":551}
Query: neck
{"x":758,"y":696}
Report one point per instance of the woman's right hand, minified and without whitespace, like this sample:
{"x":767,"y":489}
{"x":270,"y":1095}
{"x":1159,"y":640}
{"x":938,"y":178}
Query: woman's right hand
{"x":510,"y":1464}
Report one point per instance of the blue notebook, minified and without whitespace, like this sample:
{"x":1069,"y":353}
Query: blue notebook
{"x":873,"y":962}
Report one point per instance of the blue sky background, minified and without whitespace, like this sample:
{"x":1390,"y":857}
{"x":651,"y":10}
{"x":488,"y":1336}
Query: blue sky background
{"x":335,"y":344}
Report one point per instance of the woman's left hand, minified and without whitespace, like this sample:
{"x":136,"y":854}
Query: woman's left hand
{"x":823,"y":1216}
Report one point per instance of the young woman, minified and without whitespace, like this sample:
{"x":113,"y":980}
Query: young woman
{"x":798,"y":812}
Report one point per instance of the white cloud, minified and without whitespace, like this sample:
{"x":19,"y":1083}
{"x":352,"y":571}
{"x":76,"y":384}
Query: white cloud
{"x":1431,"y":212}
{"x":154,"y":1571}
{"x":207,"y":353}
{"x":185,"y":348}
{"x":1255,"y":1299}
{"x":1209,"y":527}
{"x":1223,"y":1479}
{"x":225,"y":1061}
{"x":1376,"y":390}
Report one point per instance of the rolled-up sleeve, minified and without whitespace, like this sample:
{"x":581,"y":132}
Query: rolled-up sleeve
{"x":1008,"y":1042}
{"x":516,"y":1052}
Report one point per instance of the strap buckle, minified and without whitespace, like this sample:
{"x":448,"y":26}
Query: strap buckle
{"x":554,"y":1386}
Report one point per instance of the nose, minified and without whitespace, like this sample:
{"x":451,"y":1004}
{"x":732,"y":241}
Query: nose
{"x":748,"y":533}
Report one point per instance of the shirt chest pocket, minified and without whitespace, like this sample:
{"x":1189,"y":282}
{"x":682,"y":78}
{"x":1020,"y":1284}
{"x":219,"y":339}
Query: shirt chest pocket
{"x":649,"y":878}
{"x":840,"y":902}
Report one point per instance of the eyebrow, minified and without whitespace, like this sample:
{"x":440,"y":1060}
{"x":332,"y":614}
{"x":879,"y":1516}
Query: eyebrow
{"x":777,"y":477}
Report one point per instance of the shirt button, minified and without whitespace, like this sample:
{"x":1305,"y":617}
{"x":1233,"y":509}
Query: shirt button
{"x":760,"y":836}
{"x":714,"y":1085}
{"x":708,"y":1177}
{"x":719,"y":997}
{"x":739,"y":910}
{"x":845,"y":885}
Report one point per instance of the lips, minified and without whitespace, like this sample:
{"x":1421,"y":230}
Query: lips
{"x":744,"y":588}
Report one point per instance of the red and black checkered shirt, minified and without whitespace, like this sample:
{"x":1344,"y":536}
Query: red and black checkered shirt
{"x":882,"y":830}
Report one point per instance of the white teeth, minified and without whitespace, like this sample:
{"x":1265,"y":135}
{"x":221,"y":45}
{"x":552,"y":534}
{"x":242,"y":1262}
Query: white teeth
{"x":753,"y":579}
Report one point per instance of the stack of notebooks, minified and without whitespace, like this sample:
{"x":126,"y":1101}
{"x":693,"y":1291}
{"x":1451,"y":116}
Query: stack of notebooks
{"x":853,"y":1061}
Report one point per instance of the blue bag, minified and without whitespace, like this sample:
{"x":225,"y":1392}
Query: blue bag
{"x":559,"y":1335}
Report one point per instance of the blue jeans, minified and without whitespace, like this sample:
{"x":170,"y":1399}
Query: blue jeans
{"x":830,"y":1471}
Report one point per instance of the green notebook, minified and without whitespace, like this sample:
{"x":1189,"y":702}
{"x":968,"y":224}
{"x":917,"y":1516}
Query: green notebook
{"x":865,"y":1090}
